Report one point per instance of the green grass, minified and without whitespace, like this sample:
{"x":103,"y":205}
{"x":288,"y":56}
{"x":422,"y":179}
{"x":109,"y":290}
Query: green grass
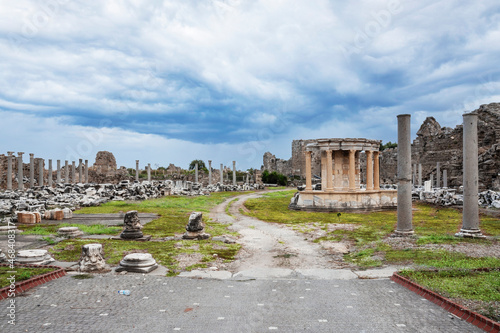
{"x":229,"y":206}
{"x":163,"y":252}
{"x":22,"y":273}
{"x":51,"y":229}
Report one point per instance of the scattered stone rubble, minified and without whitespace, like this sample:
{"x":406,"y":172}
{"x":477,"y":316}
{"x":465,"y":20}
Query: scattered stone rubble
{"x":138,"y":263}
{"x":47,"y":200}
{"x":452,"y":197}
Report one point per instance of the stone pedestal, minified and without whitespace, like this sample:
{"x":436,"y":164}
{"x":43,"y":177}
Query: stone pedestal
{"x":195,"y":227}
{"x":34,"y":257}
{"x":137,"y":262}
{"x":69,"y":232}
{"x":92,"y":259}
{"x":133,"y":226}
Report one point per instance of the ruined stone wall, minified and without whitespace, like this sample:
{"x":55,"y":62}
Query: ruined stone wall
{"x":435,"y":144}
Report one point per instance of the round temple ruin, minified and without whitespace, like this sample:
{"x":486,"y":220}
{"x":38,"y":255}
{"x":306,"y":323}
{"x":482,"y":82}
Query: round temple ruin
{"x":341,"y":178}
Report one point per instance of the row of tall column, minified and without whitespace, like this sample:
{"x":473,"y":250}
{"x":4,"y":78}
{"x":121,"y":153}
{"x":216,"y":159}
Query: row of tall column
{"x":417,"y":175}
{"x":221,"y":173}
{"x":50,"y":180}
{"x":332,"y":170}
{"x":470,"y":215}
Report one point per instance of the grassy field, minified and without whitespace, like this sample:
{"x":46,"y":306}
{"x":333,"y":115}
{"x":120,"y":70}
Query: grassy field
{"x":22,"y":273}
{"x":369,"y":234}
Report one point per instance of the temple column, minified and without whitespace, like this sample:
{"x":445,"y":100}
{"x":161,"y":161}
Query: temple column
{"x":308,"y":171}
{"x":339,"y":171}
{"x":445,"y":178}
{"x":80,"y":171}
{"x":209,"y":172}
{"x":73,"y":172}
{"x":221,"y":174}
{"x":32,"y":170}
{"x":9,"y":170}
{"x":376,"y":171}
{"x":470,"y":216}
{"x":40,"y":172}
{"x":58,"y":175}
{"x":50,"y":174}
{"x":196,"y":173}
{"x":234,"y":173}
{"x":149,"y":172}
{"x":20,"y":184}
{"x":136,"y":170}
{"x":352,"y":170}
{"x":329,"y":170}
{"x":419,"y":174}
{"x":323,"y":170}
{"x":404,"y":225}
{"x":66,"y":172}
{"x":369,"y":170}
{"x":86,"y":171}
{"x":438,"y":175}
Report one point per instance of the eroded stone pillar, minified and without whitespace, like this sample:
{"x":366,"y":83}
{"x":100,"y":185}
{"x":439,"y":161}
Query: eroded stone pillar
{"x":369,"y":170}
{"x":66,"y":172}
{"x":339,"y":171}
{"x":432,"y":181}
{"x":352,"y":170}
{"x":86,"y":171}
{"x":136,"y":170}
{"x":58,"y":175}
{"x":404,"y":226}
{"x":73,"y":172}
{"x":80,"y":171}
{"x":470,"y":217}
{"x":323,"y":170}
{"x":419,"y":174}
{"x":209,"y":172}
{"x":196,"y":172}
{"x":414,"y":174}
{"x":438,"y":175}
{"x":9,"y":170}
{"x":221,"y":174}
{"x":149,"y":172}
{"x":308,"y":171}
{"x":40,"y":172}
{"x":234,"y":173}
{"x":376,"y":171}
{"x":49,"y":179}
{"x":20,"y":184}
{"x":445,"y":178}
{"x":32,"y":170}
{"x":329,"y":170}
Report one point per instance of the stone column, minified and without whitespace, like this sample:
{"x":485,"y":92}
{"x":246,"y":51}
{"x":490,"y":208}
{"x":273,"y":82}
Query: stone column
{"x":58,"y":176}
{"x":470,"y":217}
{"x":404,"y":226}
{"x":32,"y":170}
{"x":308,"y":171}
{"x":50,"y":174}
{"x":66,"y":172}
{"x":352,"y":170}
{"x":323,"y":170}
{"x":209,"y":172}
{"x":86,"y":171}
{"x":339,"y":171}
{"x":40,"y":172}
{"x":376,"y":171}
{"x":419,"y":174}
{"x":247,"y":178}
{"x":234,"y":173}
{"x":9,"y":170}
{"x":221,"y":174}
{"x":329,"y":170}
{"x":432,"y":181}
{"x":438,"y":175}
{"x":414,"y":174}
{"x":136,"y":170}
{"x":73,"y":172}
{"x":80,"y":171}
{"x":149,"y":172}
{"x":369,"y":170}
{"x":20,"y":184}
{"x":445,"y":178}
{"x":196,"y":172}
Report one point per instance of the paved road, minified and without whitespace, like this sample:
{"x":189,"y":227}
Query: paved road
{"x":258,"y":298}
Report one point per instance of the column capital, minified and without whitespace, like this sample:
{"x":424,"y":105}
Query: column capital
{"x":32,"y":155}
{"x":10,"y":153}
{"x":20,"y":154}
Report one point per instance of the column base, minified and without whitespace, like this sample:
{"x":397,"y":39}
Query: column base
{"x":466,"y":233}
{"x":403,"y":233}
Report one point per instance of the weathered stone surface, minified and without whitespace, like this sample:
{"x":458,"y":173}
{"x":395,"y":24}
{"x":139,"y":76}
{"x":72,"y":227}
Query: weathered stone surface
{"x":34,"y":257}
{"x":69,"y":232}
{"x":195,"y":227}
{"x":26,"y":217}
{"x":92,"y":258}
{"x":54,"y":214}
{"x":137,"y":262}
{"x":133,"y":226}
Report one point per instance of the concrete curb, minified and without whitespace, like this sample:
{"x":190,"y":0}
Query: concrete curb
{"x":472,"y":317}
{"x":34,"y":281}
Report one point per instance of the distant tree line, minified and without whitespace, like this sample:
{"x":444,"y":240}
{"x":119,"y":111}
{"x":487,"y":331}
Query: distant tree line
{"x":388,"y":145}
{"x":274,"y":178}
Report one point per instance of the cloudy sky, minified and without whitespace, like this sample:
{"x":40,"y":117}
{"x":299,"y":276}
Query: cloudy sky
{"x":172,"y":81}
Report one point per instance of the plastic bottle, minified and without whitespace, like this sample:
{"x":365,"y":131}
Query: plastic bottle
{"x":124,"y":292}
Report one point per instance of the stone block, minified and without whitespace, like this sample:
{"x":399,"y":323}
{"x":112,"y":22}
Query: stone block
{"x":26,"y":218}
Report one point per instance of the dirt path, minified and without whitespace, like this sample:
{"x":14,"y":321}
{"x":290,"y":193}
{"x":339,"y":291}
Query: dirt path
{"x":269,"y":245}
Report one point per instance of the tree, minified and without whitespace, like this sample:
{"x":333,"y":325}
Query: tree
{"x":201,"y":165}
{"x":388,"y":145}
{"x":274,"y":178}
